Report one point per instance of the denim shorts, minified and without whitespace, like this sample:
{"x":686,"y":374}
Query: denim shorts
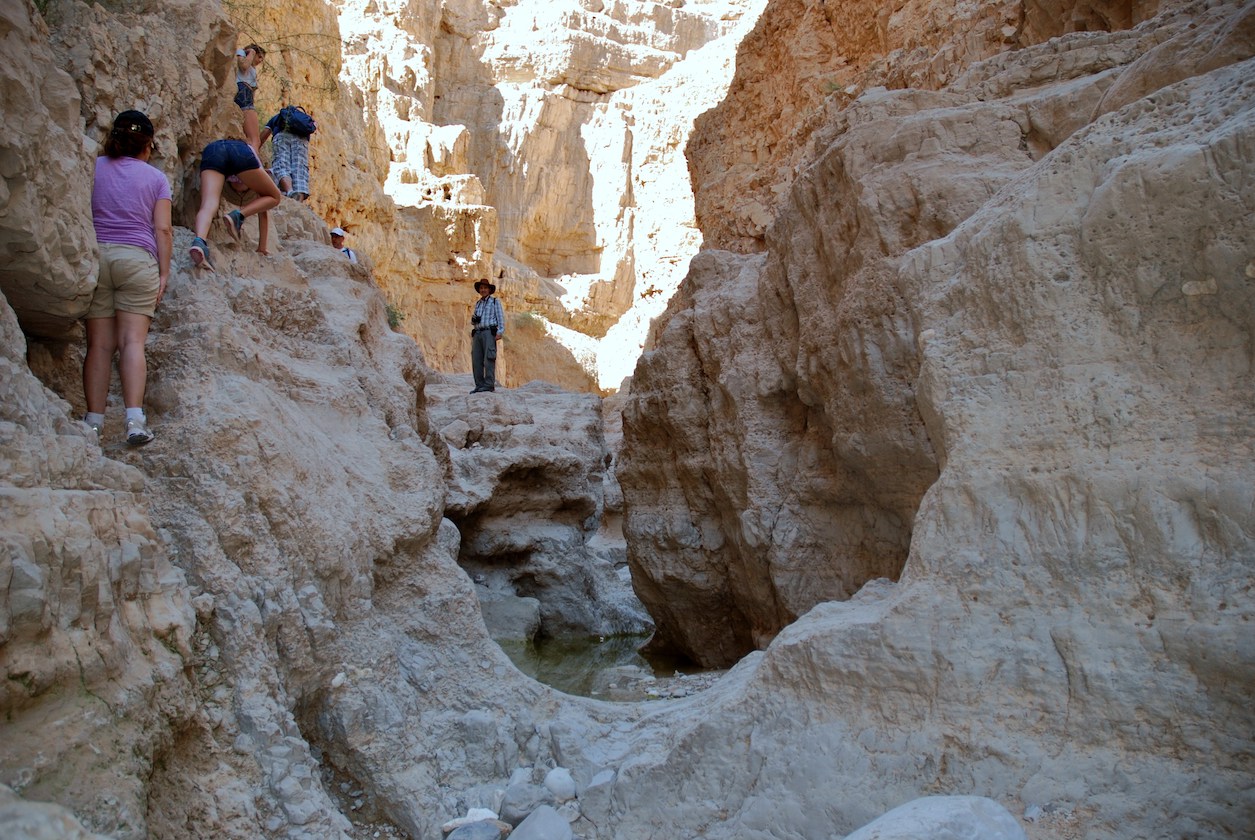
{"x":230,"y":157}
{"x":244,"y":97}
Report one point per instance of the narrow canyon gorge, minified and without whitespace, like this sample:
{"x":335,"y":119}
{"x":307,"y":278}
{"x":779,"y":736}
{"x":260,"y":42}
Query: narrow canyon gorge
{"x":891,"y":365}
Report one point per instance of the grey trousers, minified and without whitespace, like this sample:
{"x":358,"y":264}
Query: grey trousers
{"x":484,"y":359}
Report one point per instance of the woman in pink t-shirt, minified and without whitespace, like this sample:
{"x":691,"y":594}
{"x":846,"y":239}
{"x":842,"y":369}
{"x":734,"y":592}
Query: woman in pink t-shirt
{"x":131,"y":213}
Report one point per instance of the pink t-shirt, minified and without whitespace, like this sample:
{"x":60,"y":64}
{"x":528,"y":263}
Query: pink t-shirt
{"x":123,"y":198}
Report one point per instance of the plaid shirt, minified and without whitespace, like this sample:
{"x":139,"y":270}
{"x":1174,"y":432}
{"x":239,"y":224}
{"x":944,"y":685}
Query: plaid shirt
{"x":490,"y":314}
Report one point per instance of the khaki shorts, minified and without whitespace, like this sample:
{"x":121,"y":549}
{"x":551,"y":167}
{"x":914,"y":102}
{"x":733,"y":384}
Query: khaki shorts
{"x":128,"y":281}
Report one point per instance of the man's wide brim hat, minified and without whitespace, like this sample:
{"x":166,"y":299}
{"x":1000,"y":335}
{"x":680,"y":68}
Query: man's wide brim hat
{"x":492,"y":290}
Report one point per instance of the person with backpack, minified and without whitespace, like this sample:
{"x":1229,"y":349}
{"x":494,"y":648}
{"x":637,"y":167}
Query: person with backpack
{"x":289,"y":132}
{"x":337,"y":242}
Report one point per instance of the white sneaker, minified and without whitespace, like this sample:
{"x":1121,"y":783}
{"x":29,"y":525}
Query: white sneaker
{"x":137,"y":433}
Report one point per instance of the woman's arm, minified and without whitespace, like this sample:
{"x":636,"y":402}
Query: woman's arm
{"x":164,"y":231}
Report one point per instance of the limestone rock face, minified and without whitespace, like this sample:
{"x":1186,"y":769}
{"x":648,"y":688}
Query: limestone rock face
{"x":285,"y":567}
{"x":526,"y":477}
{"x":814,"y":351}
{"x":539,"y":144}
{"x":746,"y":152}
{"x":21,"y":820}
{"x":173,"y":61}
{"x":95,"y":623}
{"x":1056,"y":329}
{"x":997,"y":349}
{"x":47,"y":255}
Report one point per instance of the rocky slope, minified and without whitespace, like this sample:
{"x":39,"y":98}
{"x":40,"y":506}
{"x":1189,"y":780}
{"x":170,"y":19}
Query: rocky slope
{"x":793,"y":389}
{"x":995,"y":357}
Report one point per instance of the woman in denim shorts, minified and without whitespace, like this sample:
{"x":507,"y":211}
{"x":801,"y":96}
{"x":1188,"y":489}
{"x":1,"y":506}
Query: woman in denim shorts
{"x":131,"y":214}
{"x":223,"y":159}
{"x":247,"y":61}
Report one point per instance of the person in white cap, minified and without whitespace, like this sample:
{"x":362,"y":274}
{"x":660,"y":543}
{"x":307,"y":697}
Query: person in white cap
{"x":337,"y":242}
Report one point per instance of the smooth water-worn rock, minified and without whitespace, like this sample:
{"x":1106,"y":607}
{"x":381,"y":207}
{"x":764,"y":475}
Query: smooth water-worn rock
{"x":481,"y":830}
{"x":526,"y":471}
{"x":560,"y":784}
{"x":993,"y":365}
{"x":943,"y":818}
{"x":1052,"y":321}
{"x":522,"y":800}
{"x":545,"y":823}
{"x":23,"y":820}
{"x":818,"y":349}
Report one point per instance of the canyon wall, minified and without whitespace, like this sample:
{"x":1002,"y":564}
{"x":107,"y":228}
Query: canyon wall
{"x":976,"y":413}
{"x":797,"y":372}
{"x":998,"y":349}
{"x":807,"y":57}
{"x":538,"y":144}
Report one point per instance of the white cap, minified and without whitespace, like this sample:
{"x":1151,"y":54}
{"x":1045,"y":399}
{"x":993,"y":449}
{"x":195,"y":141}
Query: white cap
{"x":338,"y":232}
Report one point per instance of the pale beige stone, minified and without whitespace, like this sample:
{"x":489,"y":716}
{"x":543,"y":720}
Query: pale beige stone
{"x":95,"y":622}
{"x":47,"y":257}
{"x":809,"y":55}
{"x":968,"y":335}
{"x":551,"y":134}
{"x":22,"y":820}
{"x":1023,"y":328}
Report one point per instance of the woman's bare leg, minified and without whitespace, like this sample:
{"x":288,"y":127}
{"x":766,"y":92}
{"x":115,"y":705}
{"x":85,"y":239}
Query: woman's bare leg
{"x":263,"y":232}
{"x":252,"y":129}
{"x":210,"y":195}
{"x":102,"y":342}
{"x":132,"y":333}
{"x":268,"y":195}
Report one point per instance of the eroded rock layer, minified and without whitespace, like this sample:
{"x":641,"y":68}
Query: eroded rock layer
{"x":746,"y":152}
{"x":997,"y":348}
{"x":799,"y":373}
{"x":998,"y":320}
{"x":540,"y":144}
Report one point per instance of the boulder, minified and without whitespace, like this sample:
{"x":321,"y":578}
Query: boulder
{"x":944,"y":818}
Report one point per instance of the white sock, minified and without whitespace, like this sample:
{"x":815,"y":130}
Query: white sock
{"x":91,"y":418}
{"x":136,"y":414}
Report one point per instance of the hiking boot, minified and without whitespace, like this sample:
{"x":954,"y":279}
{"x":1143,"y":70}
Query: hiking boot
{"x":200,"y":253}
{"x":93,"y":428}
{"x":235,"y":223}
{"x":137,"y":433}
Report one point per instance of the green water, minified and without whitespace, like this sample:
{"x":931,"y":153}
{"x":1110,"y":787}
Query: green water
{"x":572,"y":664}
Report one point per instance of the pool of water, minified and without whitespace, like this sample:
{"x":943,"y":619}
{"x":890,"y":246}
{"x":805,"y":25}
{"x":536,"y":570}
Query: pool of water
{"x":577,"y":665}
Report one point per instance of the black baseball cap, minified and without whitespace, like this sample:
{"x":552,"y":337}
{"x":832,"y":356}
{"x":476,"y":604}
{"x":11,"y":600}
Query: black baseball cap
{"x":135,"y":121}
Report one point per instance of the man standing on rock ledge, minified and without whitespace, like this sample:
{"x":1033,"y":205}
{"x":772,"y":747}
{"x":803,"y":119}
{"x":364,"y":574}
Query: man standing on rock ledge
{"x":487,"y":328}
